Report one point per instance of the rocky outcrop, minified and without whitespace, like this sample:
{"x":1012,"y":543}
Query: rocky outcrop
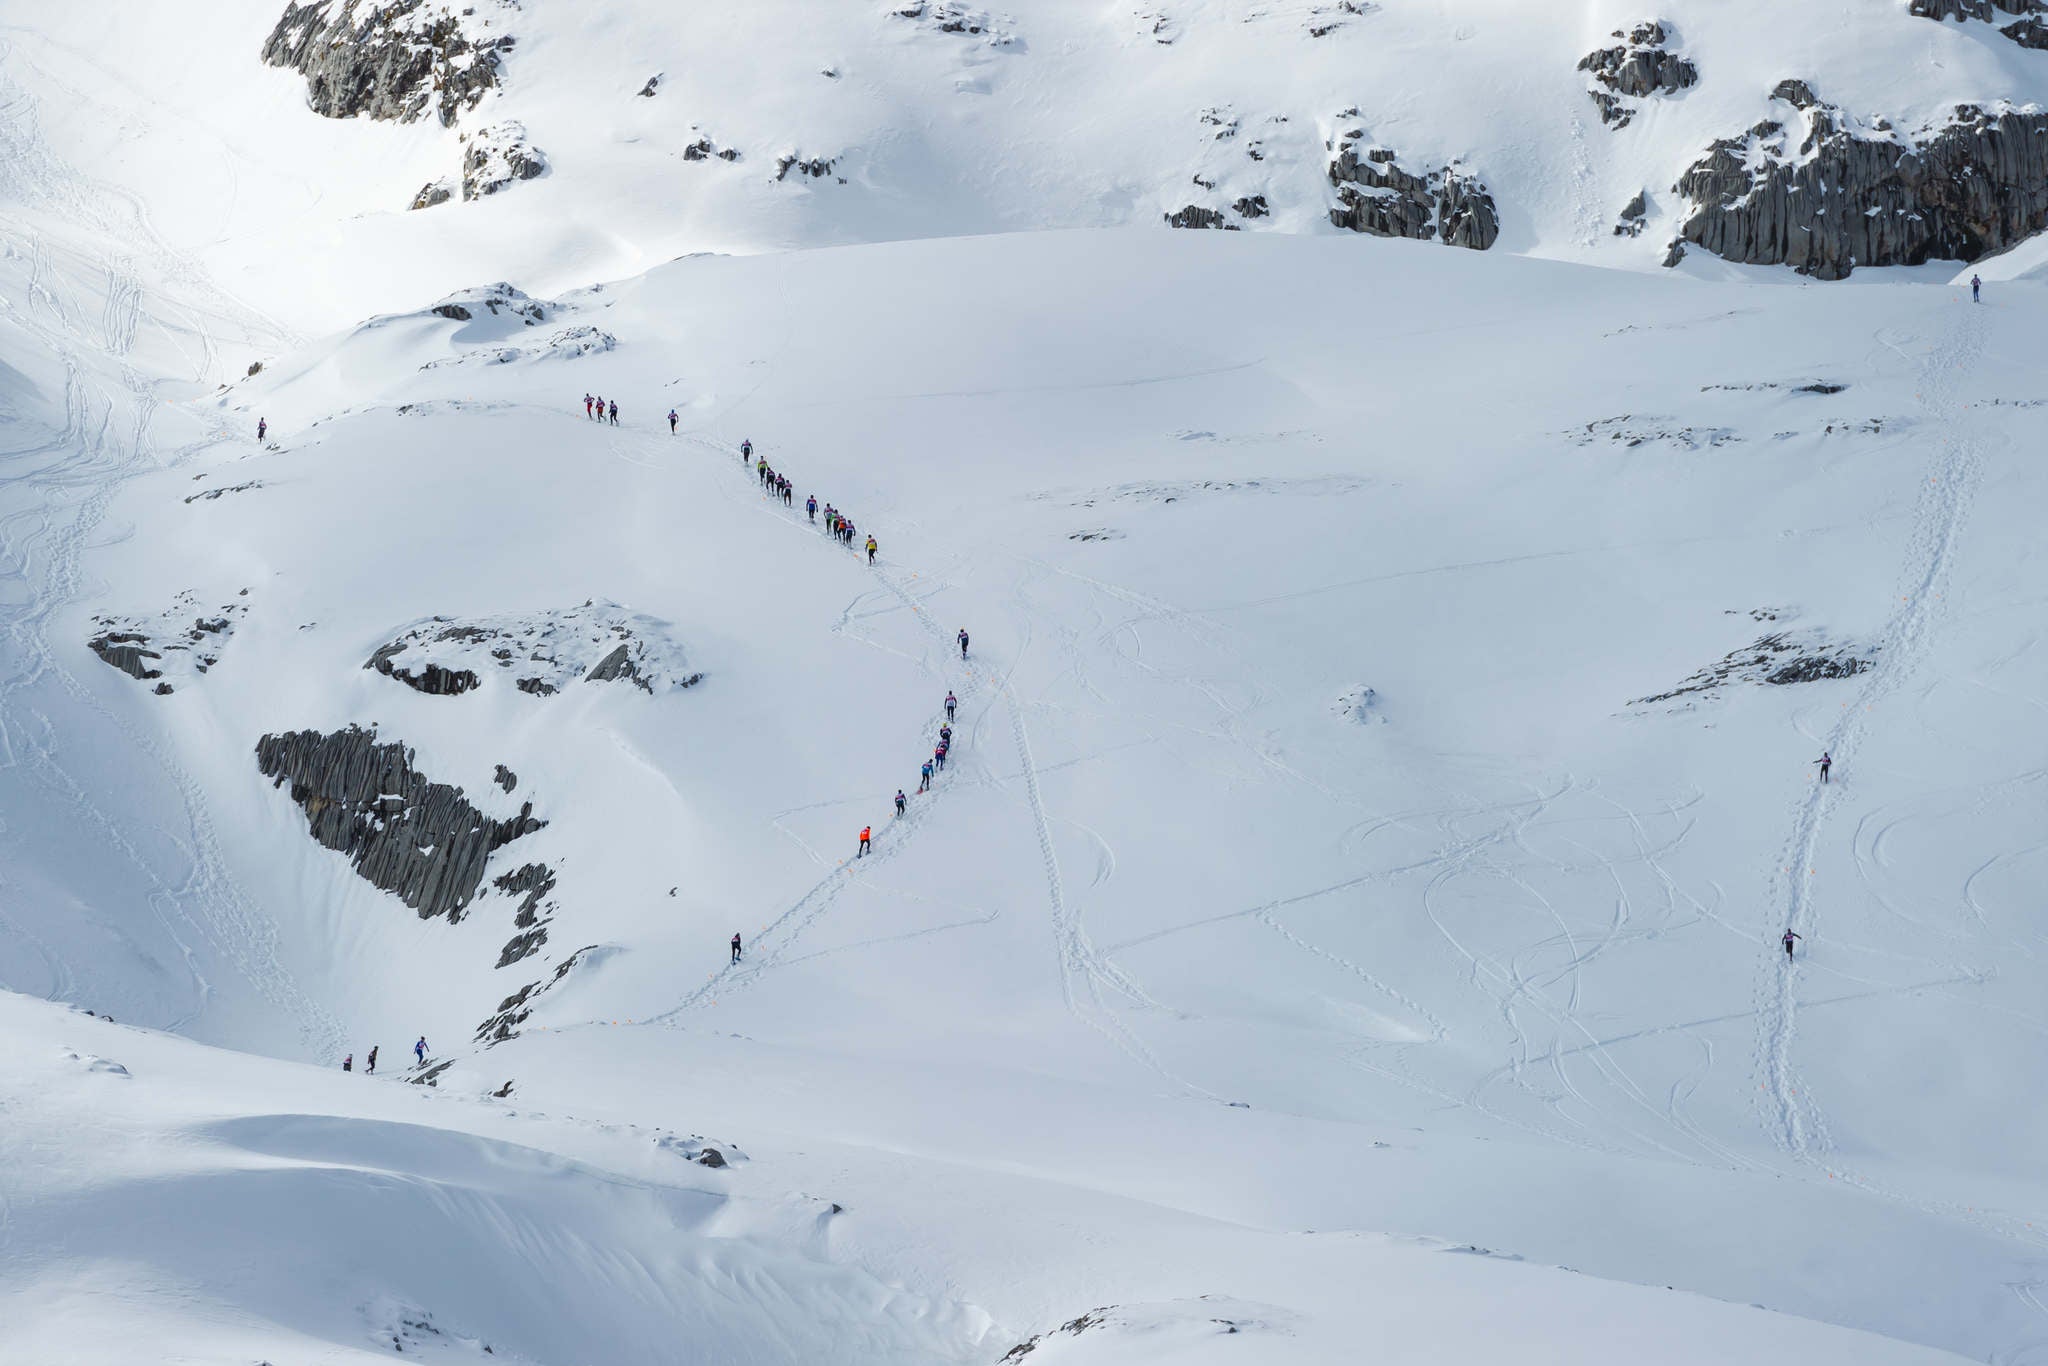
{"x":420,"y":840}
{"x":1639,"y":66}
{"x":1780,"y":659}
{"x":1633,"y":215}
{"x":430,"y":678}
{"x":173,"y":647}
{"x":127,"y":651}
{"x":432,"y":193}
{"x":950,"y":16}
{"x":498,"y":300}
{"x":817,"y":168}
{"x":1376,"y":195}
{"x":531,"y":883}
{"x":542,"y":652}
{"x":498,"y":157}
{"x":703,"y":149}
{"x":392,"y":59}
{"x":2028,"y":29}
{"x":1324,"y":20}
{"x":1836,"y":193}
{"x":514,"y":1009}
{"x":1195,"y":216}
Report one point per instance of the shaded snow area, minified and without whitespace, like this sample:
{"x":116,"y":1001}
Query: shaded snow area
{"x":1373,"y":691}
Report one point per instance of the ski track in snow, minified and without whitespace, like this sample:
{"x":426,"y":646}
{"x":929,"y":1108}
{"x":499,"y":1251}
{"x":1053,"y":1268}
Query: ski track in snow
{"x":1790,"y":1112}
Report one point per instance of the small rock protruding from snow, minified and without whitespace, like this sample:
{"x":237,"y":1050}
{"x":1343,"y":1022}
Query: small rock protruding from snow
{"x":432,"y":193}
{"x":816,"y":168}
{"x":702,"y":148}
{"x":1633,"y":215}
{"x":1361,"y":704}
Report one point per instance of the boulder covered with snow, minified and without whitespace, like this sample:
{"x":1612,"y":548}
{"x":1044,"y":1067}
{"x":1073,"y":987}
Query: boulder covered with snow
{"x":498,"y":157}
{"x":541,"y":653}
{"x":392,"y":59}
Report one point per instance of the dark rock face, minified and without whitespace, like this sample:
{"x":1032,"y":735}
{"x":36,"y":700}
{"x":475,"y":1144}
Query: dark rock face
{"x":430,"y":679}
{"x":618,"y":665}
{"x":1796,"y":93}
{"x":1639,"y":66}
{"x":506,"y":778}
{"x":2028,"y":30}
{"x":1195,"y":216}
{"x":1630,"y":224}
{"x":1251,"y":206}
{"x":432,"y":193}
{"x":1853,"y":195}
{"x":405,"y":834}
{"x":388,"y":59}
{"x":1376,"y":195}
{"x":127,"y":651}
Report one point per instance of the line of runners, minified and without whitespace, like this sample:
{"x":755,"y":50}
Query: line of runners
{"x":777,"y":486}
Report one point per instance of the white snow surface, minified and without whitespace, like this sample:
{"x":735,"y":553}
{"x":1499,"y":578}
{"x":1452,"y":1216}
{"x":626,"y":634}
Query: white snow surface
{"x":1312,"y":949}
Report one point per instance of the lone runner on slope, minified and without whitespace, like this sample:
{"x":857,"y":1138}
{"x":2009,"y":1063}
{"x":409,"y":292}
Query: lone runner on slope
{"x":1826,"y":762}
{"x":1790,"y":938}
{"x":735,"y":946}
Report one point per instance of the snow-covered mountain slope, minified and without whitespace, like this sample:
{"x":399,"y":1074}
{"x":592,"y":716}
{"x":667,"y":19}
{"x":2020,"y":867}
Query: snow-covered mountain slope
{"x":1383,"y":763}
{"x":939,"y":118}
{"x":1306,"y":758}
